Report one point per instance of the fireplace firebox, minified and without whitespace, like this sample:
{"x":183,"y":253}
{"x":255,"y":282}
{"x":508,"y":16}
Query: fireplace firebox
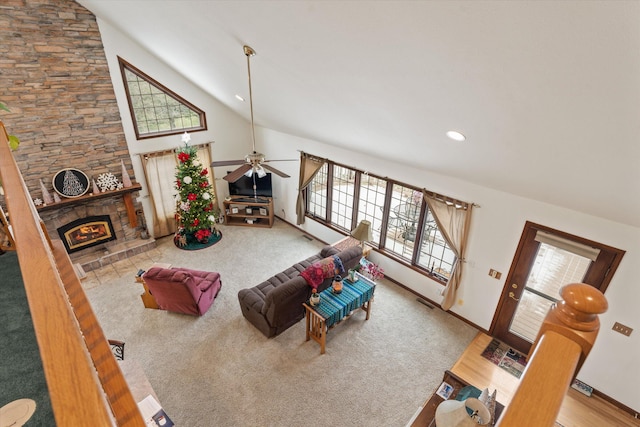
{"x":87,"y":232}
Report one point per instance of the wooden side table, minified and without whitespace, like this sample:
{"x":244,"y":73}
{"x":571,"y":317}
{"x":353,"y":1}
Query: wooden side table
{"x":147,"y":299}
{"x":320,"y":319}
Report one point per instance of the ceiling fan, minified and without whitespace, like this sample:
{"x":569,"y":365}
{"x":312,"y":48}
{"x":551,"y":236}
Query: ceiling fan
{"x":253,"y":163}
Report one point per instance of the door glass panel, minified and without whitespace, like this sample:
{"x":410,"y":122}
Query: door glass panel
{"x":552,"y":269}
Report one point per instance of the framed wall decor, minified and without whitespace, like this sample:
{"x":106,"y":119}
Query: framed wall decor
{"x":70,"y":182}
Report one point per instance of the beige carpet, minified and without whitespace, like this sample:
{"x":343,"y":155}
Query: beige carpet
{"x":218,"y":370}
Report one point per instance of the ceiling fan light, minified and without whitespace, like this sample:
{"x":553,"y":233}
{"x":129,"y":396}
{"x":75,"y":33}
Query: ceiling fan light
{"x":249,"y":173}
{"x":261,"y":172}
{"x":456,"y":136}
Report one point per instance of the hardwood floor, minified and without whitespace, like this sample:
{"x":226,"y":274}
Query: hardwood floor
{"x":577,"y":409}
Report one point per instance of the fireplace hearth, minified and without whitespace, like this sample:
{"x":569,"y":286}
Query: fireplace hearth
{"x":87,"y":232}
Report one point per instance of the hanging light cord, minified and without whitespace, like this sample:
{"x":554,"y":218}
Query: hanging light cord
{"x":250,"y":52}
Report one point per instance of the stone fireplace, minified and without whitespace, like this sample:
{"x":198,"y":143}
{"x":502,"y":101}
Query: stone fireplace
{"x":113,"y":210}
{"x":86,"y":232}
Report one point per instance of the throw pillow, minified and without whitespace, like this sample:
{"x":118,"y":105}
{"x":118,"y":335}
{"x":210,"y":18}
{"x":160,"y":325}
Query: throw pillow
{"x":313,"y":275}
{"x":323,"y":269}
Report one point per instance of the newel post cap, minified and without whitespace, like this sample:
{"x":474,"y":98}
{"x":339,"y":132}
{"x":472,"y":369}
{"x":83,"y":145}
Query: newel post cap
{"x":580,"y":306}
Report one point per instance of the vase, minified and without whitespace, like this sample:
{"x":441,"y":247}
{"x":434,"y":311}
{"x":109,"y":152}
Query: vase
{"x":315,"y":299}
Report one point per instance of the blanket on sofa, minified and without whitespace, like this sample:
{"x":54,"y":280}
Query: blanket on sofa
{"x":317,"y":272}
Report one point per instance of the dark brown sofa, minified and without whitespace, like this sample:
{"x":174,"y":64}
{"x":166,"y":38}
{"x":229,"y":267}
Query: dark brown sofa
{"x":276,"y":304}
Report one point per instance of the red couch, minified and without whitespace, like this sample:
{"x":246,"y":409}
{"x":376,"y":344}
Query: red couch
{"x":183,"y":290}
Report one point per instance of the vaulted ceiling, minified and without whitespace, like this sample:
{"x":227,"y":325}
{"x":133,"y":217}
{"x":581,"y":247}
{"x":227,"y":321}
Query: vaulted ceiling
{"x":547,"y":93}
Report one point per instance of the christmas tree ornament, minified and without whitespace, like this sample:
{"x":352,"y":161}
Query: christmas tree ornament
{"x":126,"y":180}
{"x":46,"y":196}
{"x":56,"y":198}
{"x":71,"y":185}
{"x":107,"y":182}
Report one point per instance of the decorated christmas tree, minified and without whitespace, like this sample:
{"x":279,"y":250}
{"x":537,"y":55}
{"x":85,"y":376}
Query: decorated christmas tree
{"x":194,"y":208}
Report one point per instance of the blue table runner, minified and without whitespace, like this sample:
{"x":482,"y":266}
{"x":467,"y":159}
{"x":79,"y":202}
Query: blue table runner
{"x":334,"y":307}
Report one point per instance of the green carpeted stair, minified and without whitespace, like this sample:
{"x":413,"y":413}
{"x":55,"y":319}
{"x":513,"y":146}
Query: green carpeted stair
{"x":21,"y":374}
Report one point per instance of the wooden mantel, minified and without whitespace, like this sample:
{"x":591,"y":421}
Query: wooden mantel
{"x":126,"y":197}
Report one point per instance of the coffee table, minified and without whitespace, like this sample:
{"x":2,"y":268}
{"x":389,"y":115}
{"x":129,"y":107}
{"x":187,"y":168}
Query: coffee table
{"x":334,"y":308}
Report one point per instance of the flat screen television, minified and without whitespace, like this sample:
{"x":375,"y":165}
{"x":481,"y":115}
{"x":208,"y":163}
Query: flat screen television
{"x":244,"y":186}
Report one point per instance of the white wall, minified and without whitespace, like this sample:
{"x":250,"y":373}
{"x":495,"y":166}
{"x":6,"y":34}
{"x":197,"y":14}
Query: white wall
{"x":495,"y":231}
{"x":496,"y":225}
{"x":229,"y":132}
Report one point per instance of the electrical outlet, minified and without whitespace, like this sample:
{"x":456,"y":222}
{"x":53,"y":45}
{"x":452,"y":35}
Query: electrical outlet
{"x":624,"y":330}
{"x":495,"y":274}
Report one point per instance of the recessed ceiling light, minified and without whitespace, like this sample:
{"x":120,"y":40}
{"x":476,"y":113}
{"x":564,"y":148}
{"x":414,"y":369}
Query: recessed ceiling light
{"x":239,"y":98}
{"x":456,"y":136}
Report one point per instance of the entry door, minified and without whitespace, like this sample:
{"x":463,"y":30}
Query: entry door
{"x":546,"y":260}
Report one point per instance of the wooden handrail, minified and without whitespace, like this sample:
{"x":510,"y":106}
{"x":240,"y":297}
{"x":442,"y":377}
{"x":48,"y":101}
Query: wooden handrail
{"x":85,"y":384}
{"x":564,"y":341}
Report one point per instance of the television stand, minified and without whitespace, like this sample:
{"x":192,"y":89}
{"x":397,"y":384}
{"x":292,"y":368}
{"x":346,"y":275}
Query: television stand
{"x":249,"y":211}
{"x":264,"y":200}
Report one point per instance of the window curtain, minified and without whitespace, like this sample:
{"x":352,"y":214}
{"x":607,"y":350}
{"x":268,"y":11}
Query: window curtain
{"x":309,"y":167}
{"x":160,"y":174}
{"x":453,"y":222}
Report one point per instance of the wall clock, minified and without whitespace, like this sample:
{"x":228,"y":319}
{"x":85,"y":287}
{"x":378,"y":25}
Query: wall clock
{"x":70,"y":182}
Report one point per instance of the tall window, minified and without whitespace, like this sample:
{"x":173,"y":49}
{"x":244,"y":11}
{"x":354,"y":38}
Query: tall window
{"x":371,"y":203}
{"x":402,"y":226}
{"x":342,"y":197}
{"x":434,"y":253}
{"x":404,"y":218}
{"x":156,"y":110}
{"x":317,"y":194}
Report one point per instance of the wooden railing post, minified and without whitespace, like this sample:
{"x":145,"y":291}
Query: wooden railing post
{"x":564,"y":341}
{"x":85,"y":383}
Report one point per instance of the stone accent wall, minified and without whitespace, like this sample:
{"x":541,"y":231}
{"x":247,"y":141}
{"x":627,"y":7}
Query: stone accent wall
{"x":55,"y":79}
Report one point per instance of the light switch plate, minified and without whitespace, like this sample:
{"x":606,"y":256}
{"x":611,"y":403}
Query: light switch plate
{"x":495,"y":274}
{"x":624,"y":330}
